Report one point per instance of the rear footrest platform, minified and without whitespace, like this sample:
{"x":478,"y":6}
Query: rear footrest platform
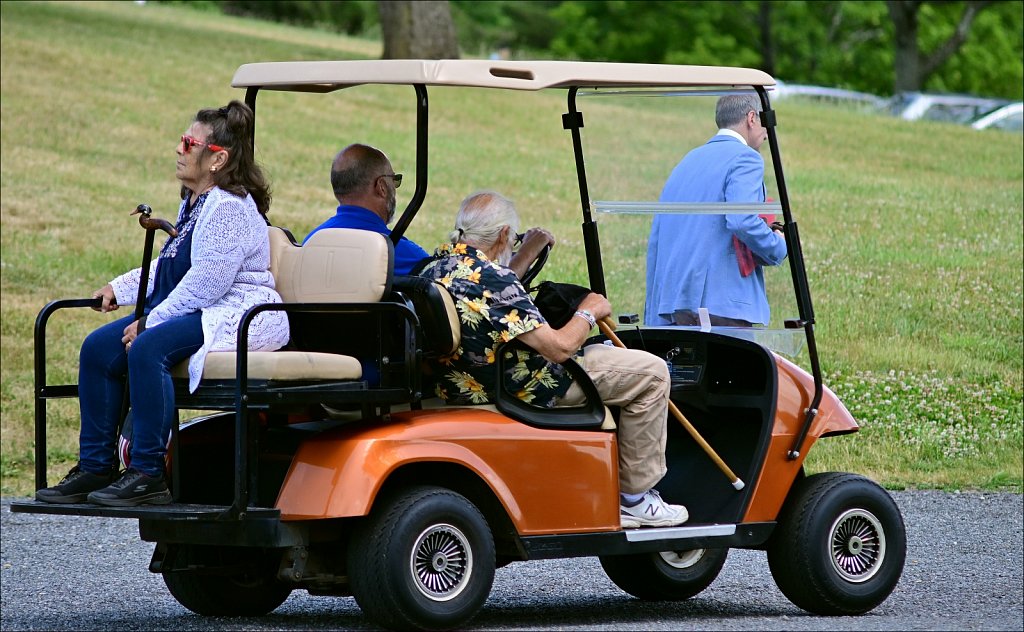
{"x":173,"y":511}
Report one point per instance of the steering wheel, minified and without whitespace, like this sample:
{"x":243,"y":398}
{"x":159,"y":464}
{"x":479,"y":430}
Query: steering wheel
{"x":535,"y":268}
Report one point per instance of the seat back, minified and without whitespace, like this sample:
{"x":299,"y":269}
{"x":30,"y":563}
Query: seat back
{"x":336,"y":265}
{"x":436,"y":312}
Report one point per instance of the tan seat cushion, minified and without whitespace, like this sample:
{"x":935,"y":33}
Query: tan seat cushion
{"x":279,"y":365}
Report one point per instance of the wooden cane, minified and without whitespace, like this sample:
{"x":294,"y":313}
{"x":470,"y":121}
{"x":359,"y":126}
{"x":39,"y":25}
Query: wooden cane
{"x":608,"y":329}
{"x":151,"y":225}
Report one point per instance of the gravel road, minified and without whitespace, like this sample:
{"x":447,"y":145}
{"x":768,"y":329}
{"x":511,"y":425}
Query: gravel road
{"x":963,"y":572}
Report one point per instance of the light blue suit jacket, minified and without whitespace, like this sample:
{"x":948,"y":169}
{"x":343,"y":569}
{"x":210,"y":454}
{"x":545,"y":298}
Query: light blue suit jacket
{"x":691,"y":261}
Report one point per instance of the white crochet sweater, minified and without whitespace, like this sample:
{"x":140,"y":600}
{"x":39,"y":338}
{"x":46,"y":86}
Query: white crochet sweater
{"x":229,"y":274}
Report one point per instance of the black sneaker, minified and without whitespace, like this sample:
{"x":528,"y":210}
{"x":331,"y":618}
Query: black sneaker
{"x":132,"y":489}
{"x":75,"y":487}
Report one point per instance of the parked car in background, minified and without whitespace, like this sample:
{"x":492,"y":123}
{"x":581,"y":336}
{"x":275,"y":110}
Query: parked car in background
{"x":832,"y":96}
{"x":952,"y":108}
{"x":1009,"y":118}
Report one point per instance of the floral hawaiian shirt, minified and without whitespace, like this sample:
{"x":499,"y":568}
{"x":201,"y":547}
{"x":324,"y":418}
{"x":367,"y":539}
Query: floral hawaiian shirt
{"x":493,"y":309}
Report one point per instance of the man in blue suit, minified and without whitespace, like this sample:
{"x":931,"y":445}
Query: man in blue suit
{"x":364,"y":184}
{"x":696,"y":261}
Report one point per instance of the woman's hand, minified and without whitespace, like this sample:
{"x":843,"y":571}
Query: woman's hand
{"x":131,"y":332}
{"x":109,"y":303}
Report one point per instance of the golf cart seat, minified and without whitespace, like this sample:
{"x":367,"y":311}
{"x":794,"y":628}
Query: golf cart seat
{"x":435,"y":308}
{"x":437,"y":336}
{"x":335,"y":266}
{"x":338,"y":282}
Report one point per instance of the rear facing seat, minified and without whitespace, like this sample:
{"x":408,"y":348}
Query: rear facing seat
{"x":337,"y":265}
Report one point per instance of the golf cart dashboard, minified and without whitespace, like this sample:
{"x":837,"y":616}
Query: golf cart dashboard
{"x":708,"y":369}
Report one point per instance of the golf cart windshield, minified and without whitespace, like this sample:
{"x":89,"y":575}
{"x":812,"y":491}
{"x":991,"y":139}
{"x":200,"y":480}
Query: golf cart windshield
{"x":634,"y":138}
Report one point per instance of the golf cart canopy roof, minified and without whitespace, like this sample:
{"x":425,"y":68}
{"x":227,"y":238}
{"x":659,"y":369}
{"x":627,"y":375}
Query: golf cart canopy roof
{"x":327,"y":76}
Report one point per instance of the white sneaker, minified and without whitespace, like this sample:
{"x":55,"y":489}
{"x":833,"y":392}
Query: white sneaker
{"x":652,"y":511}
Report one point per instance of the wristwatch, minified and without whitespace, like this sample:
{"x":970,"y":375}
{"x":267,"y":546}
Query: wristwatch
{"x":587,"y":316}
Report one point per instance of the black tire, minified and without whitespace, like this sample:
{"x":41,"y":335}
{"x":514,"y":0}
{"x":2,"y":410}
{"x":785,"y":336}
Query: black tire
{"x":840,"y":545}
{"x":227,"y":581}
{"x":665,"y":576}
{"x":424,"y":559}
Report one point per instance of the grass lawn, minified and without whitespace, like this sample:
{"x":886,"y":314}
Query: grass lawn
{"x":912,"y":232}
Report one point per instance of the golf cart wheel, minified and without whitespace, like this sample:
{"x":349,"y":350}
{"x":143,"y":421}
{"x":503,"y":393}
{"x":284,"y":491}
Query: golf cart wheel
{"x":667,"y":575}
{"x":839,"y":546}
{"x":226,"y":581}
{"x":424,"y":559}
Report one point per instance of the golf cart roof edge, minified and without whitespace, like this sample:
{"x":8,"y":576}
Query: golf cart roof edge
{"x":327,"y":76}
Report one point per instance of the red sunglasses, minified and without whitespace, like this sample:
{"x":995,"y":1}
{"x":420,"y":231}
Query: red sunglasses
{"x":188,"y":142}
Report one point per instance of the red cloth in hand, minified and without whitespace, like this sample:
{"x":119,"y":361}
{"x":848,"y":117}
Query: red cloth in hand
{"x":744,"y":257}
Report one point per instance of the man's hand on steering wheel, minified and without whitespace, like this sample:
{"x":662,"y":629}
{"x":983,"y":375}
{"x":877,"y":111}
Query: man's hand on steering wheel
{"x":528,"y":261}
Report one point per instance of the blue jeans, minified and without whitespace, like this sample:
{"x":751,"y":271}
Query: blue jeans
{"x":101,"y":372}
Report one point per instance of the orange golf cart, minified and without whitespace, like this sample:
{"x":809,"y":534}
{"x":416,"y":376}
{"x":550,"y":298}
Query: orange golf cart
{"x":306,"y":475}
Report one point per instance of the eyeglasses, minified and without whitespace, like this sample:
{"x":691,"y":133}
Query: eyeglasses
{"x":188,"y":143}
{"x":397,"y":177}
{"x":518,"y":241}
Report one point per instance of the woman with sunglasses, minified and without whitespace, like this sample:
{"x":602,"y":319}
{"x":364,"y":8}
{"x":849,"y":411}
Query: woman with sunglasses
{"x":203,"y":281}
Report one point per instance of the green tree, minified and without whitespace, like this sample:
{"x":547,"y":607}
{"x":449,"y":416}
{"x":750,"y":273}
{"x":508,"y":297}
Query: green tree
{"x":711,"y":33}
{"x":989,"y":62}
{"x":512,"y":25}
{"x":843,"y":43}
{"x":913,"y":64}
{"x":837,"y":43}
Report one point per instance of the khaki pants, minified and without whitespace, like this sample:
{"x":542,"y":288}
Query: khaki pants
{"x":638,"y":382}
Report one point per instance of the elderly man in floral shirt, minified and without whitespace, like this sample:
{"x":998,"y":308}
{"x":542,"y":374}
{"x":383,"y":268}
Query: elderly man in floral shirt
{"x":494,"y":308}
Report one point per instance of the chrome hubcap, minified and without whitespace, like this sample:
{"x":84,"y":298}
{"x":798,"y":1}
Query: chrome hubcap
{"x":441,"y":562}
{"x":857,"y":545}
{"x":682,"y":559}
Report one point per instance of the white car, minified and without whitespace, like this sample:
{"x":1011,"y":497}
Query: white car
{"x":833,"y":96}
{"x":1009,"y":118}
{"x":952,"y":108}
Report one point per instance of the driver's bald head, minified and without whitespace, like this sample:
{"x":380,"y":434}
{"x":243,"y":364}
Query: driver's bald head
{"x":355,"y":168}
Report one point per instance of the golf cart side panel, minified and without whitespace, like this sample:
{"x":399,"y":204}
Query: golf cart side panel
{"x":540,"y":476}
{"x":795,"y":391}
{"x":832,"y":418}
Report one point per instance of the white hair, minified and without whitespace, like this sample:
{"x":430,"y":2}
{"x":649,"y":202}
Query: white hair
{"x":481,"y":217}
